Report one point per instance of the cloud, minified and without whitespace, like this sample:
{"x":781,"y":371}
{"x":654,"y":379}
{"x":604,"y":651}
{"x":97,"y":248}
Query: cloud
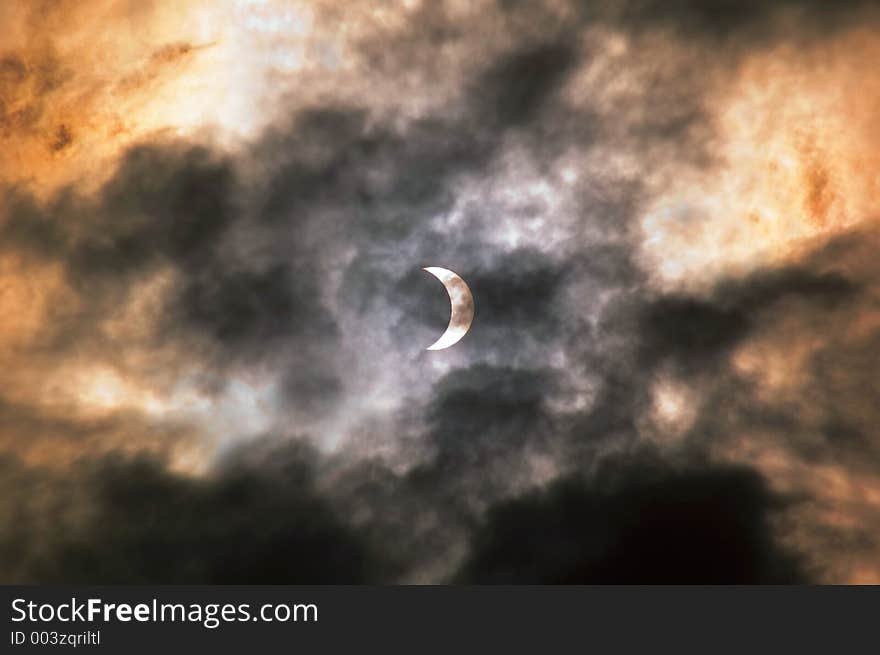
{"x":693,"y":331}
{"x":738,"y":24}
{"x":133,"y":520}
{"x":653,"y":526}
{"x":214,"y":370}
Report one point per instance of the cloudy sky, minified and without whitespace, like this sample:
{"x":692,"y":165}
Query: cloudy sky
{"x":213,"y":218}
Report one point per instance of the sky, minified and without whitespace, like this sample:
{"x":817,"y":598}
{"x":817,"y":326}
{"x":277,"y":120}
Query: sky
{"x":213,"y":222}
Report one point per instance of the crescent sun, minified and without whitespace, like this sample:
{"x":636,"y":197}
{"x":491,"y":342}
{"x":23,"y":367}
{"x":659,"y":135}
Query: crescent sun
{"x":462,"y":314}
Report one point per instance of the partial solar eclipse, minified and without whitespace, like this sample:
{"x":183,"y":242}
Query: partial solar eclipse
{"x":462,"y":314}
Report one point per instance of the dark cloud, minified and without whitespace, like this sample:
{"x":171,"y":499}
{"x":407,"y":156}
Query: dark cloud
{"x":832,"y":287}
{"x":737,"y":24}
{"x":812,"y":321}
{"x":518,"y":292}
{"x":134,"y":521}
{"x":694,"y":331}
{"x":514,"y":89}
{"x":653,"y":526}
{"x":260,"y":307}
{"x":176,"y":206}
{"x":481,"y":417}
{"x":164,"y":203}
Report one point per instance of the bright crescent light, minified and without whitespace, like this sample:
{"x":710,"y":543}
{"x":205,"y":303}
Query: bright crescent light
{"x":462,"y":314}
